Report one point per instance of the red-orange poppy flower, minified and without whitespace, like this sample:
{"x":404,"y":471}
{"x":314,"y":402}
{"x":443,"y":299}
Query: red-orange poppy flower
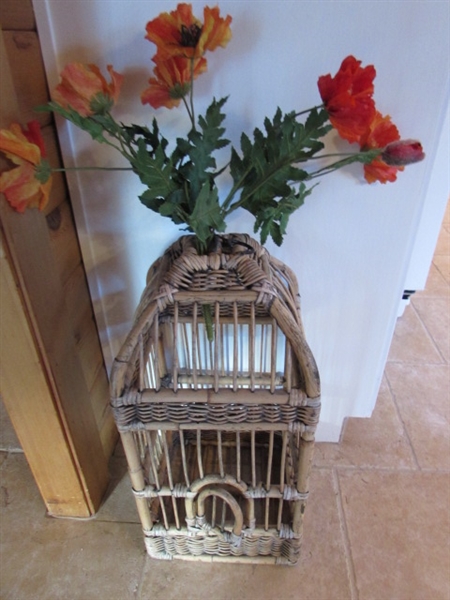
{"x":348,"y":98}
{"x":25,"y":148}
{"x":380,"y":134}
{"x":84,"y":89}
{"x":179,"y":33}
{"x":172,"y":81}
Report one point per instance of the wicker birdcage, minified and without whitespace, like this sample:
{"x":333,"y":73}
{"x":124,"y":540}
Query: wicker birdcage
{"x":216,"y":396}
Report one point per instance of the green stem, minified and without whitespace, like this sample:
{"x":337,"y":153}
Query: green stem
{"x":362,"y":157}
{"x":308,"y":110}
{"x":115,"y":131}
{"x":231,"y":194}
{"x":191,"y":94}
{"x":332,"y":155}
{"x":63,"y":169}
{"x":191,"y":117}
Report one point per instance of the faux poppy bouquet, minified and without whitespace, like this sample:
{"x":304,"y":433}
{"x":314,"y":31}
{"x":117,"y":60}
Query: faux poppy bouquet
{"x":272,"y":172}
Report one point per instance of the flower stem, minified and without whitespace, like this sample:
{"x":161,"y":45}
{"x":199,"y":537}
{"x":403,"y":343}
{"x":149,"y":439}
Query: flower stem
{"x":63,"y":169}
{"x":308,"y":110}
{"x":191,"y":116}
{"x":191,"y":94}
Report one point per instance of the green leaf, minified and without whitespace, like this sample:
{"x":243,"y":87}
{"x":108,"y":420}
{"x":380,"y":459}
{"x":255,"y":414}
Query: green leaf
{"x":207,"y":215}
{"x":88,"y":124}
{"x":266,"y":172}
{"x":195,"y":154}
{"x":154,"y":170}
{"x":273,"y":218}
{"x":151,"y":137}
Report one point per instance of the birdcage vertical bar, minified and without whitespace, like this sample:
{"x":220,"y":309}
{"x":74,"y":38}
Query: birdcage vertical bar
{"x":238,"y":456}
{"x":175,"y":347}
{"x":224,"y":513}
{"x":220,"y":453}
{"x":142,"y":363}
{"x":183,"y":458}
{"x":170,"y":477}
{"x":136,"y":473}
{"x":195,"y":345}
{"x":268,"y":478}
{"x":213,"y":511}
{"x":152,"y":450}
{"x":186,"y":349}
{"x":253,"y":456}
{"x":288,"y":366}
{"x":199,"y":453}
{"x":156,"y":363}
{"x":273,"y":355}
{"x":251,"y":345}
{"x":216,"y":345}
{"x":282,"y":477}
{"x":235,"y":346}
{"x":261,"y":348}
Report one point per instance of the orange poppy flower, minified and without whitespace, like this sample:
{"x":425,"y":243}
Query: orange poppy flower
{"x":25,"y":148}
{"x":348,"y":98}
{"x":179,"y":33}
{"x":172,"y":81}
{"x":379,"y":134}
{"x":84,"y":89}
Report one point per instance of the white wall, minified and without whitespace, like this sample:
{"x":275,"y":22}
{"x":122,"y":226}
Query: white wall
{"x":351,"y":244}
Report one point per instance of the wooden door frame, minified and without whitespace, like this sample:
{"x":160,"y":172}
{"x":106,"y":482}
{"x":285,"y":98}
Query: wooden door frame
{"x":44,"y":380}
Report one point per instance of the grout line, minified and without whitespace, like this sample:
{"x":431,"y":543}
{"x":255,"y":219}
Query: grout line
{"x":139,"y":588}
{"x":354,"y":595}
{"x":405,"y":429}
{"x":430,"y":335}
{"x":441,"y":272}
{"x":374,"y":468}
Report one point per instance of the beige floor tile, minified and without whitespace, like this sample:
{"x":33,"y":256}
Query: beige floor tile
{"x":442,"y":262}
{"x":8,"y":437}
{"x":422,"y":396}
{"x":320,"y":575}
{"x":443,"y":242}
{"x":119,"y":503}
{"x":380,"y":441}
{"x":435,"y":314}
{"x":398,"y":526}
{"x":411,"y":341}
{"x":22,"y":506}
{"x":446,"y":220}
{"x":436,"y":284}
{"x":45,"y":558}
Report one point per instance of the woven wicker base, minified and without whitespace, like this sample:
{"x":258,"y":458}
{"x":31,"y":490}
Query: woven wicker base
{"x":218,"y":546}
{"x":216,"y":396}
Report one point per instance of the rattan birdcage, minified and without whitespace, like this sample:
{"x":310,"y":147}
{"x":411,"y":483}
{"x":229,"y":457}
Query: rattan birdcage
{"x":216,"y":396}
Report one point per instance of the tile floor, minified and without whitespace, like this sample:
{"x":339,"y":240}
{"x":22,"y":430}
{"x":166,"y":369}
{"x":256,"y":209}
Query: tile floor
{"x":377,"y":522}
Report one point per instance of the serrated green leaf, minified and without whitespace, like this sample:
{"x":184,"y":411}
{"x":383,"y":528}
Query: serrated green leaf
{"x":207,"y":215}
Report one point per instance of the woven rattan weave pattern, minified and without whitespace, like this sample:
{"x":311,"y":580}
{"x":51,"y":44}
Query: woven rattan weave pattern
{"x":216,"y":395}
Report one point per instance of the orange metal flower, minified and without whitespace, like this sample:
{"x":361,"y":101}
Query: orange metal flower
{"x":25,"y":148}
{"x":348,"y":98}
{"x":379,"y":134}
{"x":172,"y":81}
{"x":84,"y":89}
{"x":179,"y":33}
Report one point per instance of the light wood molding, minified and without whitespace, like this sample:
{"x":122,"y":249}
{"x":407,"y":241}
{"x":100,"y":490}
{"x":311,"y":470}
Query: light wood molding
{"x":53,"y":380}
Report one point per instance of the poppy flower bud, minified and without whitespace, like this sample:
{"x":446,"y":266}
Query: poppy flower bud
{"x":403,"y":152}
